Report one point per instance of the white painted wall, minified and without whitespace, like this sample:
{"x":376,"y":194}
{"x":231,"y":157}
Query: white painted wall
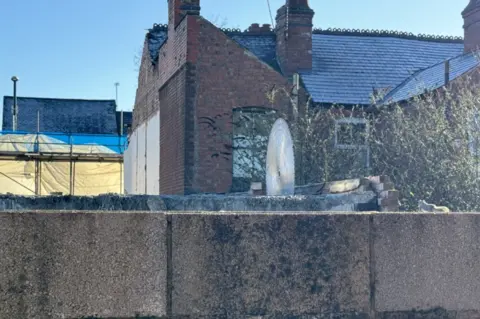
{"x":127,"y":170}
{"x":130,"y":165}
{"x":153,"y":155}
{"x":142,"y":159}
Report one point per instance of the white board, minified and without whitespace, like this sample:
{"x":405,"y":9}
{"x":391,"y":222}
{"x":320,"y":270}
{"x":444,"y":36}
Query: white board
{"x":153,"y":155}
{"x":141,"y":159}
{"x":130,"y":165}
{"x":127,"y":170}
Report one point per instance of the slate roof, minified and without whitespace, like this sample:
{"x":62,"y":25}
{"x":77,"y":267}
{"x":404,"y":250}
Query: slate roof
{"x":347,"y":64}
{"x":432,"y":78}
{"x":263,"y":46}
{"x":62,"y":115}
{"x":347,"y":68}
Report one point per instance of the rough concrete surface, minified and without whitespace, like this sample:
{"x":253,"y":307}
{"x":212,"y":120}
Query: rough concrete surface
{"x":235,"y":266}
{"x":424,"y":261}
{"x":279,"y":265}
{"x":72,"y":265}
{"x":360,"y":201}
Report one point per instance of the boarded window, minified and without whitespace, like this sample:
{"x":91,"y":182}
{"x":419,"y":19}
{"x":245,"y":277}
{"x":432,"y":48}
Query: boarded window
{"x":251,"y":128}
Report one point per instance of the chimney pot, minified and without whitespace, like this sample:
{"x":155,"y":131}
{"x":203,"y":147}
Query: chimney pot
{"x":266,"y":28}
{"x":254,"y":28}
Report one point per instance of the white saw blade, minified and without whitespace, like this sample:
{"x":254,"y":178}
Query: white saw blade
{"x":280,"y":170}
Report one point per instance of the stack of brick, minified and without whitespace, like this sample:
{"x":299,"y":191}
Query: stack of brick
{"x":388,"y":197}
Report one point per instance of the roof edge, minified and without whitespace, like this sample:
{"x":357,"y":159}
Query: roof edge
{"x":385,"y":100}
{"x":389,"y":33}
{"x":58,"y":99}
{"x":341,"y":31}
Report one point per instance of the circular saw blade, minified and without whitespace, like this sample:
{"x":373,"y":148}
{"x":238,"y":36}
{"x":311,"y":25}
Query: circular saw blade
{"x":280,"y":166}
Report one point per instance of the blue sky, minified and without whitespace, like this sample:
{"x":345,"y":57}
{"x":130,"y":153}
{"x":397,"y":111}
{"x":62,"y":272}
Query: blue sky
{"x":80,"y":48}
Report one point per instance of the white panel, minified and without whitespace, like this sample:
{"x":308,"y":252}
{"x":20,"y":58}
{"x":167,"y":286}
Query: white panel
{"x":141,"y":153}
{"x":153,"y":155}
{"x":127,"y":170}
{"x":132,"y":163}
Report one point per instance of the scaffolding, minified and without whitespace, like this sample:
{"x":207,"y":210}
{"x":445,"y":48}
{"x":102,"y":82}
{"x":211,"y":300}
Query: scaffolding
{"x":61,"y":164}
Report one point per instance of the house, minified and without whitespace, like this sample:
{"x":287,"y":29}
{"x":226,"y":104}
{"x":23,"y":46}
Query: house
{"x":193,"y":73}
{"x":62,"y":146}
{"x":64,"y":115}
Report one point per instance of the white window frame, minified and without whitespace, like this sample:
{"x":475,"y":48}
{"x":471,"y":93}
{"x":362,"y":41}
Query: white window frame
{"x":355,"y":121}
{"x":475,"y":126}
{"x":366,"y":146}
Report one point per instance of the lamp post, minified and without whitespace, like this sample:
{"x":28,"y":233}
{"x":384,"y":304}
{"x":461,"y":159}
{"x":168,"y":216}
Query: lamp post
{"x":15,"y":106}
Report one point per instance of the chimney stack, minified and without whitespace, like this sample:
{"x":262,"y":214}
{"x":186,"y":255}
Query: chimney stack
{"x":471,"y":26}
{"x":254,"y":28}
{"x":178,"y":9}
{"x":266,"y":28}
{"x":294,"y":36}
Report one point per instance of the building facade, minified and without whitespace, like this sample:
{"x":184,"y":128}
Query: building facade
{"x":62,"y":146}
{"x":195,"y":79}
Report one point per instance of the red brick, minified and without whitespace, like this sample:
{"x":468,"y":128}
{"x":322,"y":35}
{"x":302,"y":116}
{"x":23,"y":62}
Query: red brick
{"x":201,"y":73}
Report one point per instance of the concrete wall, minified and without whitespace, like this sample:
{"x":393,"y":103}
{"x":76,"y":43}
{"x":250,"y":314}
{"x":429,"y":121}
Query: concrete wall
{"x":245,"y":265}
{"x":68,"y":265}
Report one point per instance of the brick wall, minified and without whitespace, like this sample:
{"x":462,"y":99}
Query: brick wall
{"x":227,"y":77}
{"x":201,"y":73}
{"x":172,"y":134}
{"x":294,"y":37}
{"x":471,"y":18}
{"x":162,"y":87}
{"x":172,"y":56}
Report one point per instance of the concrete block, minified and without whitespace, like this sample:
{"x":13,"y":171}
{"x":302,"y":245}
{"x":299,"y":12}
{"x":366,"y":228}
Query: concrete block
{"x":326,"y":202}
{"x":341,"y":186}
{"x":272,"y":266}
{"x":426,"y":261}
{"x":74,"y":265}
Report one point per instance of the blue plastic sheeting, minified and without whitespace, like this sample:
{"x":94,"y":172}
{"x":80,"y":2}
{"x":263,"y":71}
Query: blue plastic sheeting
{"x":115,"y":143}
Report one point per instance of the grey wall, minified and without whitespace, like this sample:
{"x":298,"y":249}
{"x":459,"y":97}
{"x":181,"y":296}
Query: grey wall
{"x":246,"y":265}
{"x":353,"y":201}
{"x":69,"y":265}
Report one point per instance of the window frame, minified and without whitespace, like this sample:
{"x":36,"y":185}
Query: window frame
{"x":249,"y":139}
{"x":366,"y":146}
{"x":355,"y":121}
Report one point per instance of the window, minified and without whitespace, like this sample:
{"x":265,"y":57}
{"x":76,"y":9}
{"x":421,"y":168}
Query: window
{"x":251,"y":128}
{"x":473,"y":138}
{"x":351,"y":133}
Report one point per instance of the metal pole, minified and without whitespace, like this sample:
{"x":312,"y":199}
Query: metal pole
{"x":116,"y":92}
{"x":15,"y":105}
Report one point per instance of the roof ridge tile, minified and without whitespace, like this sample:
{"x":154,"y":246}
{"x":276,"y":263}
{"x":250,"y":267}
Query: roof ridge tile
{"x":389,"y":33}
